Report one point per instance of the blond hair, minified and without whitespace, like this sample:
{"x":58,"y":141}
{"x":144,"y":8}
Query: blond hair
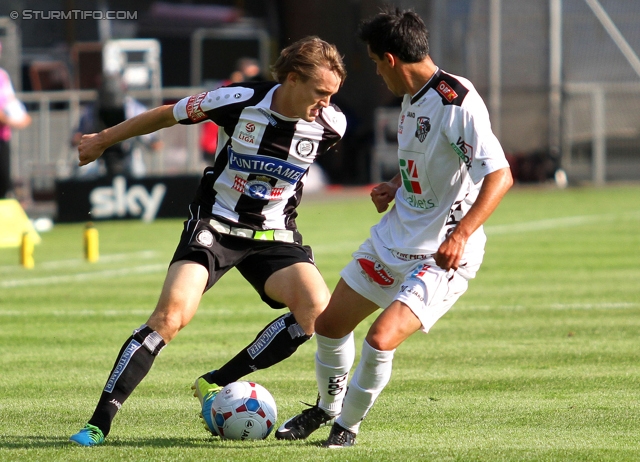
{"x":305,"y":57}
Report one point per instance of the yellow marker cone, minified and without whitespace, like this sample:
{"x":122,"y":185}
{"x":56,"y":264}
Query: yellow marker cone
{"x":13,"y":224}
{"x":91,"y":243}
{"x":26,"y":251}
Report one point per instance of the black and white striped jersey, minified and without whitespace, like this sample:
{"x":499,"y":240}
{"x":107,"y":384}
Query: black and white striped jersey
{"x":262,"y":157}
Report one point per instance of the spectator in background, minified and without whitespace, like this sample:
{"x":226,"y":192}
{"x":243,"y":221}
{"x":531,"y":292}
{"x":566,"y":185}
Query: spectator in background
{"x":247,"y":70}
{"x":12,"y":115}
{"x":112,"y":107}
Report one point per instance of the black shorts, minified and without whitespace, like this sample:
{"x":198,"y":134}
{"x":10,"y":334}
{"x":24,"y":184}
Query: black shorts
{"x":256,"y":260}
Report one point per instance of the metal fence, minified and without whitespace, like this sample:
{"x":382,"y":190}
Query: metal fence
{"x":600,"y":135}
{"x":42,"y":152}
{"x":561,"y":79}
{"x":601,"y":131}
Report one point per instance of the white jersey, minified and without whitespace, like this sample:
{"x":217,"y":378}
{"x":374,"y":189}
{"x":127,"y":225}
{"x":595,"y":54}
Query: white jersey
{"x":445,"y":149}
{"x":262,"y":158}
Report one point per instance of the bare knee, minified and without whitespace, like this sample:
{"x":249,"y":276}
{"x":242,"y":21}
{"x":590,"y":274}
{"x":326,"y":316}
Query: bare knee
{"x":167,"y":321}
{"x":385,"y":339}
{"x":396,"y":323}
{"x":378,"y":341}
{"x":328,"y":326}
{"x":382,"y":339}
{"x":319,"y":302}
{"x":179,"y":299}
{"x":307,"y":309}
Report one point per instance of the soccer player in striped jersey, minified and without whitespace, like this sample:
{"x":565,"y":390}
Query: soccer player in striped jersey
{"x":420,"y":256}
{"x":243,"y":216}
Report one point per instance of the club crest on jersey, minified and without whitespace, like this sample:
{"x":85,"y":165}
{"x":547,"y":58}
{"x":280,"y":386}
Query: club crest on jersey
{"x":260,"y":188}
{"x":375,"y":271}
{"x":423,"y":128}
{"x":304,"y":147}
{"x":205,"y":238}
{"x":445,"y":90}
{"x":194,"y":111}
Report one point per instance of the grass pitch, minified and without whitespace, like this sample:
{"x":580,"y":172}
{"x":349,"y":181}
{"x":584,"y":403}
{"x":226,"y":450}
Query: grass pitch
{"x":537,"y":361}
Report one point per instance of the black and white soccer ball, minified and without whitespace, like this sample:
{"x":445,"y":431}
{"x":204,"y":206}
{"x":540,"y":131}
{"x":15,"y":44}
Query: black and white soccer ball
{"x":243,"y":411}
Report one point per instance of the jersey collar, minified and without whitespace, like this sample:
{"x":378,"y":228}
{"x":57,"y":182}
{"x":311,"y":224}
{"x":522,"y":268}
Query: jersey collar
{"x":426,"y":86}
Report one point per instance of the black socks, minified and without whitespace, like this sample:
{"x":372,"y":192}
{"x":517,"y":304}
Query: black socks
{"x":276,"y":342}
{"x":132,"y":365}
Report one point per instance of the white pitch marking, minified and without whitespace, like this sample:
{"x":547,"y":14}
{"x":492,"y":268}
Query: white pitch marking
{"x":489,"y":229}
{"x":552,"y":223}
{"x":79,"y":277}
{"x":554,"y":306}
{"x":110,"y":258}
{"x":593,"y":306}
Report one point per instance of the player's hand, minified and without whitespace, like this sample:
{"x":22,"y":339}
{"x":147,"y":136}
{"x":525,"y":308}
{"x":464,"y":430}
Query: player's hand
{"x":383,"y":194}
{"x":450,"y":252}
{"x":89,"y":149}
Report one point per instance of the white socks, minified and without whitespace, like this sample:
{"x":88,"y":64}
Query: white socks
{"x":334,"y":359}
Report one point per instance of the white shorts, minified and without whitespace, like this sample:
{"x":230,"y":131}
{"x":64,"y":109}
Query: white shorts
{"x":426,"y":289}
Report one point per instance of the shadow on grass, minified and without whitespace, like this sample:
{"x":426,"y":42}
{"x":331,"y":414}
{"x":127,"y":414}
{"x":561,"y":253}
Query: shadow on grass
{"x":44,"y":442}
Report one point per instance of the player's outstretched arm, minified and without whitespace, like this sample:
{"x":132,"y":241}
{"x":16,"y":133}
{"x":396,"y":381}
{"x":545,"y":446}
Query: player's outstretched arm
{"x":383,"y":194}
{"x":494,"y":187}
{"x":93,"y":145}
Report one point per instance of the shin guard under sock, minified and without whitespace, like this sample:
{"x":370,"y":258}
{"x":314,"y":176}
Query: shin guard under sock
{"x":276,"y":342}
{"x":371,"y":376}
{"x":334,"y":358}
{"x":132,"y":365}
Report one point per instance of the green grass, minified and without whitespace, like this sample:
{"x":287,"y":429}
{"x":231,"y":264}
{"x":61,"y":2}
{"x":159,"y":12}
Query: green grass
{"x":537,"y":361}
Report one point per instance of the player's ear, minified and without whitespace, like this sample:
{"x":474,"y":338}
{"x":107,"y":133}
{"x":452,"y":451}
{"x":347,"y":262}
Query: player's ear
{"x":390,"y":59}
{"x":293,"y":78}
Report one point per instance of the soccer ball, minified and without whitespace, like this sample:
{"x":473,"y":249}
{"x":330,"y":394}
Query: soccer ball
{"x":243,"y":411}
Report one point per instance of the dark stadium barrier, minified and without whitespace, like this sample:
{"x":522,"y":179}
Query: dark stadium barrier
{"x":122,"y":198}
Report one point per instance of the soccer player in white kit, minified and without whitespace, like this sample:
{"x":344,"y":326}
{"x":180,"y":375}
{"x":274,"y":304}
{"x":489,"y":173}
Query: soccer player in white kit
{"x":420,"y":256}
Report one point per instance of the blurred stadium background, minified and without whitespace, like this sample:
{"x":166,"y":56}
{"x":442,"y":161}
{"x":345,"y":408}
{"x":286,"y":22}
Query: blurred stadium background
{"x":561,"y":78}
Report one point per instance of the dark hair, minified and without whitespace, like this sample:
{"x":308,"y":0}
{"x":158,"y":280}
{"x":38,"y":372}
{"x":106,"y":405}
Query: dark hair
{"x":306,"y":56}
{"x":112,"y":92}
{"x":401,"y":33}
